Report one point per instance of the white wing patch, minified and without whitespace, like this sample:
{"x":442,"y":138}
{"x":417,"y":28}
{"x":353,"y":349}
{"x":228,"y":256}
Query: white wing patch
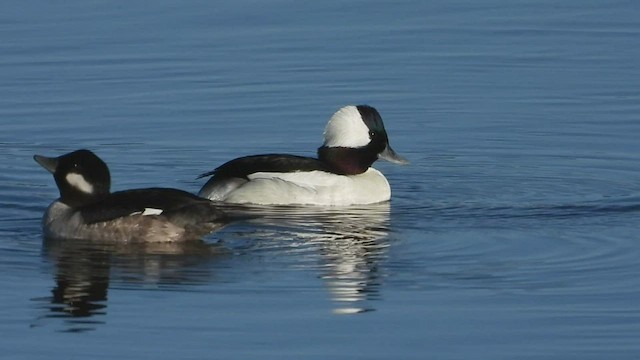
{"x":79,"y":182}
{"x":148,"y":211}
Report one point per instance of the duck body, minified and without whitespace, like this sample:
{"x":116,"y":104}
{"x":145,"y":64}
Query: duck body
{"x":287,"y":179}
{"x":341,"y":174}
{"x":88,"y":210}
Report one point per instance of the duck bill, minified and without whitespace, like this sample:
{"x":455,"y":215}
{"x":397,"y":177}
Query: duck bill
{"x":46,"y":162}
{"x":391,"y":156}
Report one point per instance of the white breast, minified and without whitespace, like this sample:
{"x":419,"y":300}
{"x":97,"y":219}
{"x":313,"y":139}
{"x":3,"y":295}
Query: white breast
{"x":315,"y":187}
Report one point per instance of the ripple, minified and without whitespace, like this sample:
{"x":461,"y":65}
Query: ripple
{"x":576,"y":249}
{"x":609,"y":209}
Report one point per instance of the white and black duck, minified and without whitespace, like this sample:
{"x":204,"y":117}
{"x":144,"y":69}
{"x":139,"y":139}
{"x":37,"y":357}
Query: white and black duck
{"x":354,"y":139}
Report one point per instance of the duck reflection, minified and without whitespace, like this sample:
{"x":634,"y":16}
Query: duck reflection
{"x":351,"y":242}
{"x":84,"y":270}
{"x":82,"y":281}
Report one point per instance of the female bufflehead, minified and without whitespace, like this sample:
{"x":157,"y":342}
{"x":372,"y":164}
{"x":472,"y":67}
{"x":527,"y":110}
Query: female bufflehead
{"x":341,"y":175}
{"x":87,"y":209}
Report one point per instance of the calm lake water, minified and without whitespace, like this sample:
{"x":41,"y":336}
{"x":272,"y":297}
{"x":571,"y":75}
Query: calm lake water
{"x":513,"y":233}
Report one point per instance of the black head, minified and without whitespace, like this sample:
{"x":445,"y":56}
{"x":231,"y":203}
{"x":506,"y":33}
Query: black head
{"x":82,"y":177}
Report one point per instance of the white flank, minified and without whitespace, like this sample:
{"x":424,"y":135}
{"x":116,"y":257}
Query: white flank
{"x":79,"y":182}
{"x":315,"y":187}
{"x":346,"y":129}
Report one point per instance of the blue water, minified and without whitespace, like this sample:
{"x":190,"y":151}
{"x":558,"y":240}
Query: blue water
{"x":513,"y":233}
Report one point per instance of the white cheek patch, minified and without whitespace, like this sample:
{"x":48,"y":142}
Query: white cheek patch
{"x":79,"y":182}
{"x":346,"y":129}
{"x":148,"y":211}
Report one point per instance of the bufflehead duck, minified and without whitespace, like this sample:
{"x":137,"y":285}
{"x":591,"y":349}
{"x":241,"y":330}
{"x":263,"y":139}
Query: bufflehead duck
{"x":354,"y":139}
{"x":87,"y":209}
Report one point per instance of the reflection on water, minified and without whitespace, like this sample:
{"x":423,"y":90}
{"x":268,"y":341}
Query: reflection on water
{"x":352,"y":271}
{"x":82,"y":280}
{"x":84,"y":271}
{"x":349,"y":244}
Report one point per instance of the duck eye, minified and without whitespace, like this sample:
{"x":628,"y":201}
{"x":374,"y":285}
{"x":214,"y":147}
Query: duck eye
{"x":372,"y":134}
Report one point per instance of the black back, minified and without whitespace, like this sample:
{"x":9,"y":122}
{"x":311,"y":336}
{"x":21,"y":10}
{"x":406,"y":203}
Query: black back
{"x":170,"y":201}
{"x":244,"y":166}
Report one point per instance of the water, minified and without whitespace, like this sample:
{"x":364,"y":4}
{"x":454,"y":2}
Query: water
{"x":512,"y":233}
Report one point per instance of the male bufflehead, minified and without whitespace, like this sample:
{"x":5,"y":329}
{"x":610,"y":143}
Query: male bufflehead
{"x":88,"y":210}
{"x":341,"y":175}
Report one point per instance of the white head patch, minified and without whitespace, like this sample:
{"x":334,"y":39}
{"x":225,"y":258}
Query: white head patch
{"x":79,"y":182}
{"x":346,"y":129}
